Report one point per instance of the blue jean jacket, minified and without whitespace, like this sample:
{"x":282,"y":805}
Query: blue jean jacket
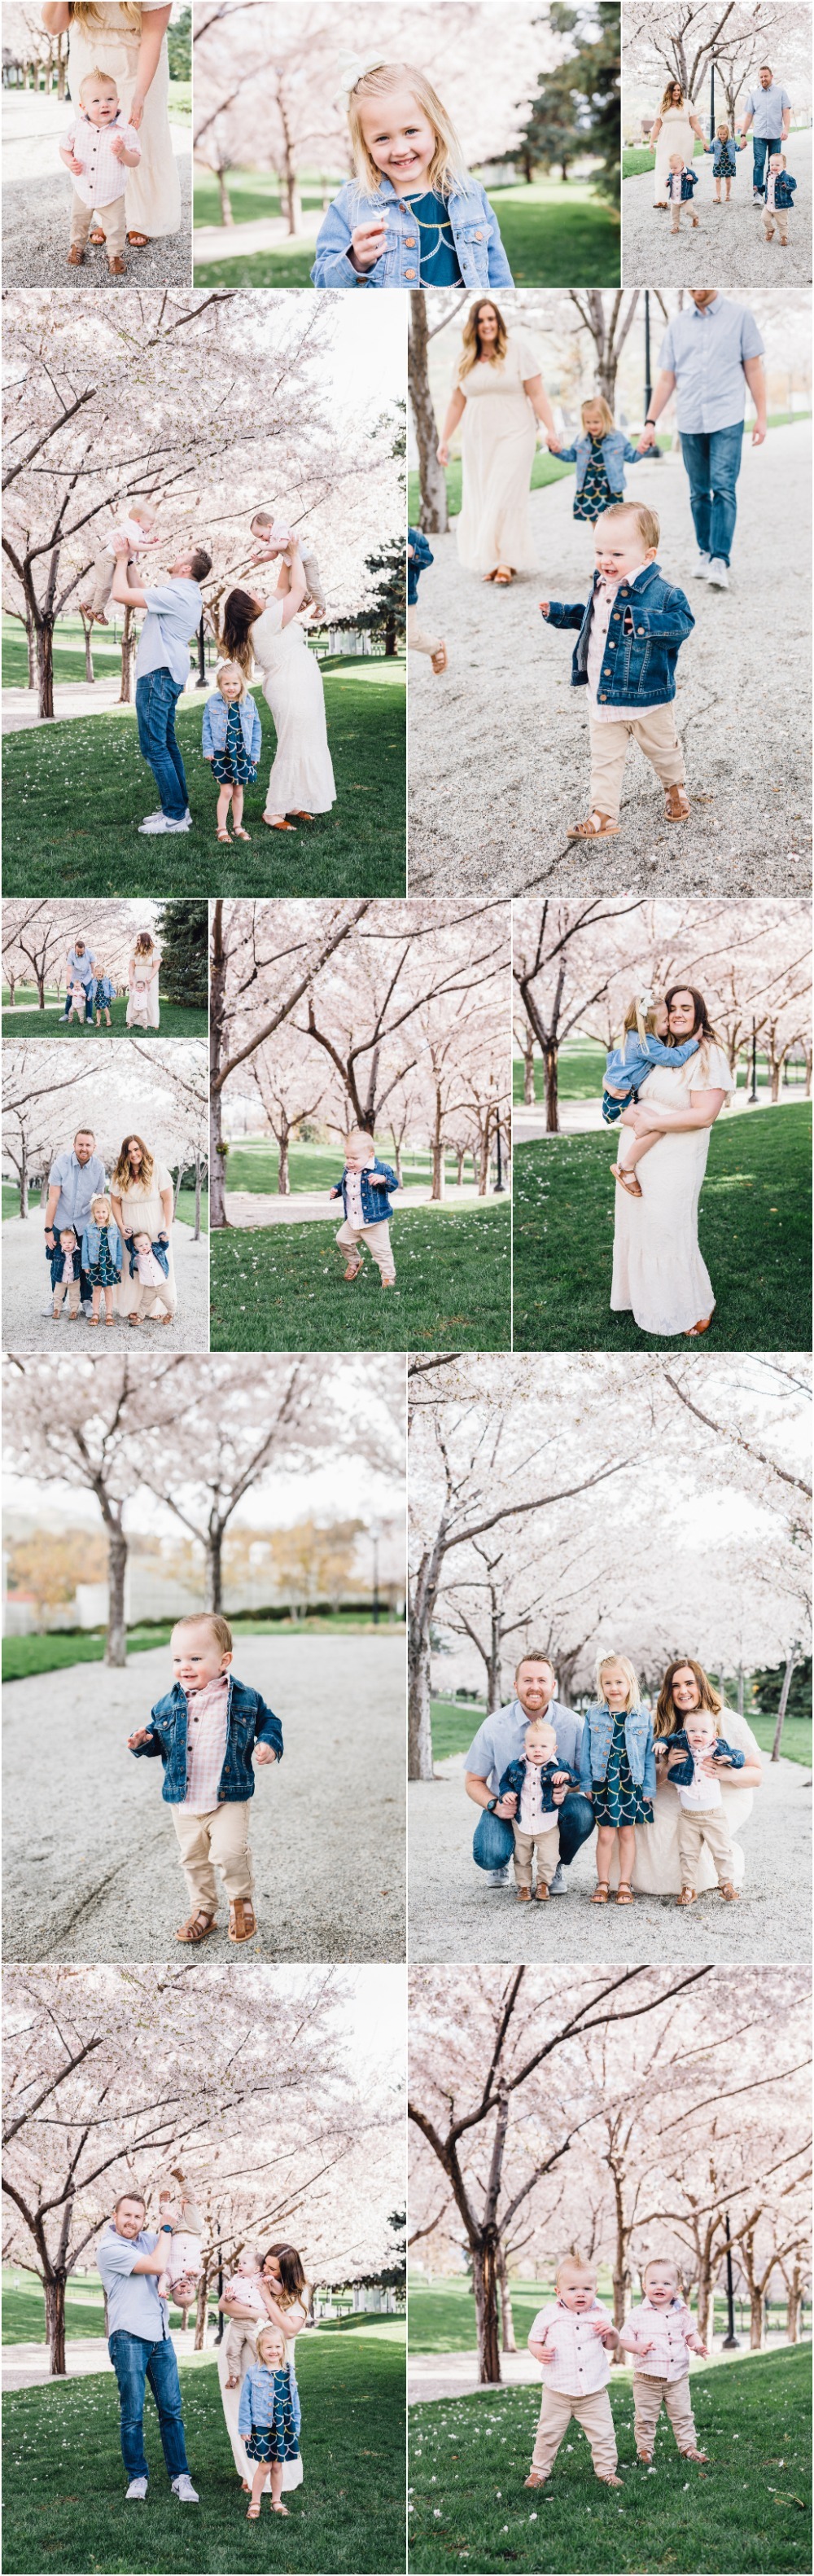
{"x":689,"y":183}
{"x":159,"y":1248}
{"x":635,"y":1057}
{"x":681,"y":1772}
{"x":56,"y":1257}
{"x":596,"y":1745}
{"x":417,"y":563}
{"x":475,"y":231}
{"x":784,"y":188}
{"x":104,"y":992}
{"x":617,"y":451}
{"x":248,"y":1722}
{"x":90,"y":1245}
{"x":376,"y":1206}
{"x":514,"y":1776}
{"x":215,"y":719}
{"x":650,"y":620}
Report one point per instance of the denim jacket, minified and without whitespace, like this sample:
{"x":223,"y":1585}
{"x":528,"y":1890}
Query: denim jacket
{"x":635,"y":1057}
{"x":718,"y":148}
{"x":159,"y":1248}
{"x":104,"y":992}
{"x":215,"y":719}
{"x":248,"y":1722}
{"x":784,"y":187}
{"x":56,"y":1257}
{"x":681,"y":1773}
{"x":649,"y":622}
{"x":689,"y":183}
{"x":417,"y":563}
{"x":376,"y":1206}
{"x":90,"y":1245}
{"x":596,"y":1745}
{"x":475,"y":231}
{"x":514,"y":1776}
{"x":616,"y":451}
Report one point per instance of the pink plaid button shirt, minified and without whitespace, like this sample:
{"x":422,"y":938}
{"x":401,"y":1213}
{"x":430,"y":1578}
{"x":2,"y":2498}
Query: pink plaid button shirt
{"x":667,"y":2329}
{"x":206,"y":1744}
{"x":104,"y":177}
{"x":581,"y":2362}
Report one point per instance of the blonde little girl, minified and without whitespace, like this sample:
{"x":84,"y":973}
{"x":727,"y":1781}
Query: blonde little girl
{"x":266,"y":2419}
{"x":600,"y":455}
{"x":412,"y":215}
{"x":102,"y":1257}
{"x":232,"y":739}
{"x":617,"y":1771}
{"x":724,"y":151}
{"x":641,"y":1046}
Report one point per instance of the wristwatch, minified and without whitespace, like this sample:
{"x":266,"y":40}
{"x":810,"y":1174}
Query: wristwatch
{"x":650,"y":423}
{"x":490,"y":1806}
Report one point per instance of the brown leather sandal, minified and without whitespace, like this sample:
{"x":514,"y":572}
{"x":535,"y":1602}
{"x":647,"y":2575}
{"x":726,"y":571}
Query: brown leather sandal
{"x":138,"y":241}
{"x":242,"y":1924}
{"x":524,"y":1896}
{"x":197,"y":1927}
{"x":694,"y":1331}
{"x":115,"y":266}
{"x":677,"y":805}
{"x":439,"y":659}
{"x":624,"y":1893}
{"x":687,"y":1896}
{"x":596,"y":827}
{"x":731,"y":1896}
{"x":75,"y":256}
{"x":626,"y":1180}
{"x":535,"y":2479}
{"x":601,"y":1892}
{"x":353,"y":1270}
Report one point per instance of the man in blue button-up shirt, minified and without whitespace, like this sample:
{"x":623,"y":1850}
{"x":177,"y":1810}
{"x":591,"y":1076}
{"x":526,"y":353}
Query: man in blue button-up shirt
{"x":130,"y":2259}
{"x":709,"y":355}
{"x":500,"y":1741}
{"x":76,"y":1176}
{"x":768,"y":111}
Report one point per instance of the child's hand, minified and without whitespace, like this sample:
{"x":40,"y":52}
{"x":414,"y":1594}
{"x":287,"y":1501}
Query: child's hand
{"x":605,"y":2331}
{"x":142,"y":1736}
{"x":645,"y":2347}
{"x":367,"y":243}
{"x":546,"y":2351}
{"x":379,"y":1180}
{"x":264,"y":1753}
{"x":411,"y":552}
{"x":73,"y":164}
{"x":544,"y":606}
{"x":163,"y":1237}
{"x":117,"y":146}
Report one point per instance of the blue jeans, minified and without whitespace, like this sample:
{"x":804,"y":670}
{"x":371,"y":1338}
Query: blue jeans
{"x":762,"y":150}
{"x":493,"y":1842}
{"x":712,"y":459}
{"x":135,"y":2362}
{"x":157,"y":696}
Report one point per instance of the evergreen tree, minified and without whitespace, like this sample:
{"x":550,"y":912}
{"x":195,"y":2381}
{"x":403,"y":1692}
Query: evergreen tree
{"x":768,"y":1684}
{"x":179,"y":46}
{"x":387,"y":613}
{"x":182,"y":932}
{"x":577,"y":108}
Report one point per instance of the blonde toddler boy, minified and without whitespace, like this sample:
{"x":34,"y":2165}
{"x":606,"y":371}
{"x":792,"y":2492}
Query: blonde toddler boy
{"x":275,"y":538}
{"x":570,"y":2339}
{"x":207,"y":1732}
{"x":240,"y":2341}
{"x":678,"y":173}
{"x":661,"y":2335}
{"x":630,"y":634}
{"x":136,"y":530}
{"x":364,"y":1189}
{"x":99,"y":149}
{"x":69,"y":1284}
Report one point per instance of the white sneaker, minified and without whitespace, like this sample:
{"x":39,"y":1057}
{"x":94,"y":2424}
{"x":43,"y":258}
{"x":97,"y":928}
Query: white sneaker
{"x":718,"y":574}
{"x":153,"y":818}
{"x":163,"y":823}
{"x":557,"y":1886}
{"x":185,"y":2491}
{"x":701,"y":569}
{"x":498,"y":1877}
{"x":137,"y":2491}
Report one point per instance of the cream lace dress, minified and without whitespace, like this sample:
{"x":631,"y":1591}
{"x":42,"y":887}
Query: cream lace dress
{"x":498,"y":442}
{"x":657,"y":1266}
{"x":302,"y":779}
{"x":142,"y":991}
{"x":152,"y":201}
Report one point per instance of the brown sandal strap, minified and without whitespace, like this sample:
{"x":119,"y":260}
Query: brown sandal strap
{"x":197,"y":1927}
{"x":242,"y":1921}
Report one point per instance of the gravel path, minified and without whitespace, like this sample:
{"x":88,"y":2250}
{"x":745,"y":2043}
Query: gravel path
{"x":37,"y":199}
{"x":97,"y":1876}
{"x":499,"y":745}
{"x":733,"y":234}
{"x":27,"y":1320}
{"x":456,"y":1915}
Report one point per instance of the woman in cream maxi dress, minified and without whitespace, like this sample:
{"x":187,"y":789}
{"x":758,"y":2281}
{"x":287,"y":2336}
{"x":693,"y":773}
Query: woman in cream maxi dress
{"x":675,"y":130}
{"x":142,"y":989}
{"x":657,"y":1264}
{"x":302,"y":779}
{"x":152,"y":201}
{"x":498,"y":443}
{"x":143,"y":1208}
{"x":295,"y":2318}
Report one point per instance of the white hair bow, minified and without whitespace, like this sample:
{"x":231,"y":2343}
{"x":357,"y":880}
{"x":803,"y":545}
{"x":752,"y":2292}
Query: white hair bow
{"x":645,"y":1001}
{"x":352,"y":68}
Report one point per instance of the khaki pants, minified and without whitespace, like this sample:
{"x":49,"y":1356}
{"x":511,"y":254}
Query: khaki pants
{"x":222,"y":1836}
{"x":547,"y":1846}
{"x":352,"y":1238}
{"x":695,"y":1826}
{"x":108,"y":219}
{"x":656,"y":736}
{"x":98,"y":592}
{"x":649,"y":2396}
{"x":69,"y":1288}
{"x":593,"y":2413}
{"x":778,"y":215}
{"x":417,"y":641}
{"x":679,"y":207}
{"x":240,"y":2348}
{"x":145,"y":1292}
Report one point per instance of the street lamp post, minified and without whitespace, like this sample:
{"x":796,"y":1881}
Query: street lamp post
{"x":201,"y":679}
{"x":375,"y":1535}
{"x":731,"y":2341}
{"x":712,"y":101}
{"x":500,"y":1185}
{"x":648,"y":388}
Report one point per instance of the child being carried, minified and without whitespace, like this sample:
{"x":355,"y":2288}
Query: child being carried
{"x":134,"y":530}
{"x":642,"y":1045}
{"x":240,"y":2342}
{"x":532,"y":1779}
{"x":178,"y":2211}
{"x":275,"y":538}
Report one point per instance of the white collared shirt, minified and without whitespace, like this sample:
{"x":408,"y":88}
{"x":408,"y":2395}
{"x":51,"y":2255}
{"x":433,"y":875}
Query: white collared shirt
{"x":667,"y":2329}
{"x":103,"y":177}
{"x":581,"y":2362}
{"x":700,"y":1793}
{"x":206,"y":1744}
{"x":353,"y":1186}
{"x":533,"y":1817}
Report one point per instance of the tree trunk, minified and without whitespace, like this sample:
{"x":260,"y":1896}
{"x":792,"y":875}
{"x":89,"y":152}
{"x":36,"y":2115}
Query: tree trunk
{"x":434,"y":514}
{"x":45,"y":665}
{"x":755,"y":2320}
{"x":439,"y":1177}
{"x":23,"y":1176}
{"x":704,"y":2290}
{"x":460,"y":1157}
{"x":201,"y":2309}
{"x":197,"y":1228}
{"x":176,"y":1193}
{"x":116,"y":1642}
{"x":506,"y":2313}
{"x":484,"y":2273}
{"x":283,"y":1181}
{"x":528,"y":1076}
{"x":214,"y":1570}
{"x":55,"y":2325}
{"x":397,"y":1153}
{"x":784,"y":1701}
{"x":552,"y":1112}
{"x":794,"y":2289}
{"x":774,"y":1088}
{"x":419,"y":1719}
{"x":87,"y":630}
{"x":293,"y":203}
{"x":128,"y":640}
{"x":226,"y":214}
{"x":31,"y":643}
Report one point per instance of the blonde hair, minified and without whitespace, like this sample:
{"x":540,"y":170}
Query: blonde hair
{"x":447,"y":165}
{"x":123,"y":1177}
{"x":100,"y":1199}
{"x":271,"y":2334}
{"x":649,"y":526}
{"x":634,"y":1697}
{"x":88,"y":15}
{"x":640,"y":1018}
{"x":667,"y":100}
{"x":361,"y":1136}
{"x":471,"y":351}
{"x":596,"y":402}
{"x":727,"y":130}
{"x":666,"y":2263}
{"x":240,"y":675}
{"x":573,"y":2263}
{"x":218,"y":1627}
{"x":538,"y":1726}
{"x":106,"y":79}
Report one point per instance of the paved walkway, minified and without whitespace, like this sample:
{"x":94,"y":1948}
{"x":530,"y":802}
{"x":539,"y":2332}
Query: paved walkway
{"x":499,"y":745}
{"x":730,"y":243}
{"x":580,"y":1117}
{"x":27,"y":1320}
{"x":255,"y":1207}
{"x":449,"y":2375}
{"x":25,"y":2365}
{"x":455,"y":1914}
{"x":97,"y":1875}
{"x":20,"y":708}
{"x":37,"y":200}
{"x":267,"y":232}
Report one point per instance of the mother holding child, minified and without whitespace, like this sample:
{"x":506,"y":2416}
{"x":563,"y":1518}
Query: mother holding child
{"x":267,"y":2303}
{"x":666,"y":1082}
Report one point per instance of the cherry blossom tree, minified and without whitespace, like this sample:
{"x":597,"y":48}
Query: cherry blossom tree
{"x":159,"y":1090}
{"x":83,"y":1426}
{"x":38,"y":932}
{"x":264,"y":957}
{"x":565,"y":956}
{"x":679,"y":40}
{"x":31,"y":1086}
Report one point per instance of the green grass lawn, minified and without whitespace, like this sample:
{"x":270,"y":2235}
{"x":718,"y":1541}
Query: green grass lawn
{"x":455,"y":1723}
{"x":176,"y":1022}
{"x":796,"y":1743}
{"x":747,"y":2511}
{"x":442,"y":2316}
{"x":581,"y":1069}
{"x":64,"y":2483}
{"x":25,"y":1655}
{"x":60,"y":843}
{"x":185,"y":1211}
{"x":754,"y":1231}
{"x":24,"y":2308}
{"x":552,"y":235}
{"x":252,"y":1165}
{"x":280,"y":1287}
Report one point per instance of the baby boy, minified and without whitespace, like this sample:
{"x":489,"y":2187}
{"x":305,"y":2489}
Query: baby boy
{"x":208,"y":1731}
{"x":99,"y":149}
{"x":136,"y":530}
{"x":661,"y":2336}
{"x":570,"y":2338}
{"x":532,"y":1780}
{"x":276,"y":539}
{"x":246,"y":2282}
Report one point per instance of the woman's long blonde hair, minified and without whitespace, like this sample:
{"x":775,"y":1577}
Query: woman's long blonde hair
{"x":91,"y":17}
{"x":667,"y":100}
{"x":472,"y":350}
{"x":123,"y":1177}
{"x":668,"y":1717}
{"x":144,"y":945}
{"x":447,"y":167}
